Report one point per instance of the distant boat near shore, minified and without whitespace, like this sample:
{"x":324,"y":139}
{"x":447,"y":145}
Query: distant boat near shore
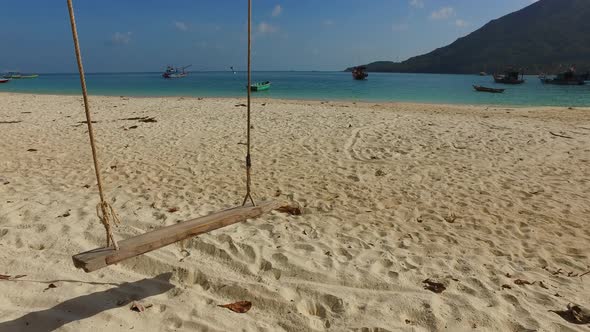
{"x":172,"y":72}
{"x":360,"y":73}
{"x":566,"y":78}
{"x":262,"y":86}
{"x":17,"y":75}
{"x":4,"y":80}
{"x":486,"y":89}
{"x":509,"y":77}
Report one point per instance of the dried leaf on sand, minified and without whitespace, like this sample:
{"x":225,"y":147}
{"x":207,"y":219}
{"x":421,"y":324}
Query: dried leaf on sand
{"x":574,"y":314}
{"x":9,"y":277}
{"x":239,"y":307}
{"x":433,"y":286}
{"x":138,"y":307}
{"x":521,"y":282}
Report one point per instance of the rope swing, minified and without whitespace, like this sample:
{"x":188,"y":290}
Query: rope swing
{"x":104,"y":211}
{"x":98,"y":258}
{"x":249,"y":88}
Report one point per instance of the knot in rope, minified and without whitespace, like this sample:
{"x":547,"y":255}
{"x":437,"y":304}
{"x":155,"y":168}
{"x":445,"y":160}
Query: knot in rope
{"x":106,"y":214}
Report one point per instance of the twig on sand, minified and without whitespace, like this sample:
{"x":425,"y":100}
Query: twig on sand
{"x":559,"y":135}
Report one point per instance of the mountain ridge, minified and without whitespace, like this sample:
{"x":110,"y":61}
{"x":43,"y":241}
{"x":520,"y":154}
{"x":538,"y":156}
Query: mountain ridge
{"x":546,"y":36}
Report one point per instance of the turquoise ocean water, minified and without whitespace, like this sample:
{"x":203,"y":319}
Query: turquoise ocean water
{"x":429,"y":88}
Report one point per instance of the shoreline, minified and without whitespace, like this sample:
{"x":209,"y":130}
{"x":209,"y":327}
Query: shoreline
{"x":296,"y":100}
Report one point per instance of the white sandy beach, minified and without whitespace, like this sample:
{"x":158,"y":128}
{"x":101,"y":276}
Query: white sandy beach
{"x":472,"y":197}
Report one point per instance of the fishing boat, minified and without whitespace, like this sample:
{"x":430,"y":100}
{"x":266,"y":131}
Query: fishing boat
{"x":566,"y":78}
{"x":4,"y":80}
{"x":486,"y":89}
{"x":172,"y":72}
{"x":260,"y":86}
{"x":17,"y":75}
{"x":509,"y":77}
{"x":359,"y":73}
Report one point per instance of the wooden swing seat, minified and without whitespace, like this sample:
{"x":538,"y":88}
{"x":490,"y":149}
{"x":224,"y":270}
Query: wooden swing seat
{"x":101,"y":257}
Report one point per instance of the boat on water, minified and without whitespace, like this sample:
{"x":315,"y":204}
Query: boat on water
{"x":360,"y":73}
{"x":172,"y":72}
{"x":17,"y":75}
{"x":568,"y":77}
{"x":509,"y":77}
{"x":483,"y":73}
{"x":486,"y":89}
{"x":261,"y":86}
{"x":4,"y":80}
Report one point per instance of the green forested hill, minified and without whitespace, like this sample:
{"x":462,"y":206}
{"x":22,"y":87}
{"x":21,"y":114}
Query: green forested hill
{"x":539,"y":38}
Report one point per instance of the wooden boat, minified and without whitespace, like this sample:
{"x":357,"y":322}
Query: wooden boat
{"x":359,"y":73}
{"x":172,"y":72}
{"x":566,"y":78}
{"x":4,"y":80}
{"x":509,"y":77}
{"x":486,"y":89}
{"x":16,"y":75}
{"x":260,"y":86}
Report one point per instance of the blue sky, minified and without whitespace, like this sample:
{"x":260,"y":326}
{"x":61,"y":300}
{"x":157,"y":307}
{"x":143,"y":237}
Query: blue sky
{"x":144,"y":35}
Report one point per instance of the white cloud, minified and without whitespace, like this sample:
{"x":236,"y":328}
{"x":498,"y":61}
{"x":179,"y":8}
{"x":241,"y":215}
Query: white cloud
{"x":120,"y":38}
{"x":181,"y":26}
{"x":417,"y":3}
{"x":461,"y":23}
{"x":443,"y":13}
{"x":400,"y":27}
{"x":264,"y":27}
{"x":277,"y":11}
{"x":328,"y":22}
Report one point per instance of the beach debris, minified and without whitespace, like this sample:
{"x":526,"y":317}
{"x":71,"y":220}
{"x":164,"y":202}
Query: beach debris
{"x":51,"y":285}
{"x":141,"y":119}
{"x":241,"y":105}
{"x":32,"y":150}
{"x":521,"y":282}
{"x":138,"y":307}
{"x":433,"y":286}
{"x":86,"y":186}
{"x":66,"y":214}
{"x":9,"y":277}
{"x":132,"y":127}
{"x":508,"y":275}
{"x":8,"y":122}
{"x":294,"y":210}
{"x":574,"y":314}
{"x":172,"y":209}
{"x":560,"y":135}
{"x":380,"y":172}
{"x":543,"y":285}
{"x":450,"y":218}
{"x":239,"y":307}
{"x":505,"y":286}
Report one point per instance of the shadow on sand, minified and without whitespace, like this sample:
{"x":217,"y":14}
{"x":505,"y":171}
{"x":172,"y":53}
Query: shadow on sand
{"x":85,"y":306}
